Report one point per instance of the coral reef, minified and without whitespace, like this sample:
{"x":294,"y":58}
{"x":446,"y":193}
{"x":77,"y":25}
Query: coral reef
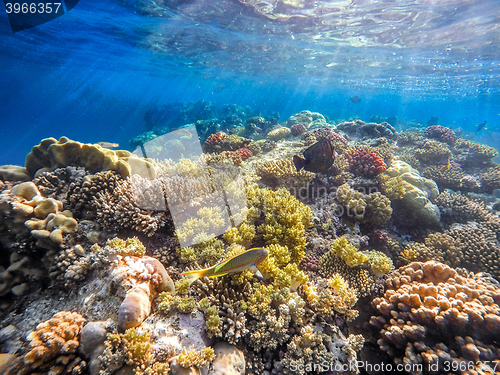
{"x":280,"y":132}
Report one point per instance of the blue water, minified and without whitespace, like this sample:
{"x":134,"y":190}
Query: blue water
{"x":92,"y":74}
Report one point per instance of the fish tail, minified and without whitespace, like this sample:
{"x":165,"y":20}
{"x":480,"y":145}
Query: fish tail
{"x":194,"y":275}
{"x":299,"y":162}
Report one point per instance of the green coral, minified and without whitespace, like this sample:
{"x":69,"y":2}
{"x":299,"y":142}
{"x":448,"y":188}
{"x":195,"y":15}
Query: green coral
{"x":374,"y":208}
{"x":211,"y":251}
{"x":130,"y":246}
{"x":168,"y":302}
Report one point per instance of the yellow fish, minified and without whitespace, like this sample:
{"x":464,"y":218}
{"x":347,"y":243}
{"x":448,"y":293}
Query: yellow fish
{"x":107,"y":144}
{"x":445,"y":167}
{"x":247,"y":260}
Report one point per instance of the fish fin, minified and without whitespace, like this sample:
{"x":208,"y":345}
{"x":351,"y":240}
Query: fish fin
{"x":220,"y":274}
{"x":256,"y":272}
{"x":299,"y":162}
{"x":192,"y":276}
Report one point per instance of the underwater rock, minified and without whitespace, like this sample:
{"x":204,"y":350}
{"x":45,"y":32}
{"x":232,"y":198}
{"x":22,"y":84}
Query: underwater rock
{"x":229,"y":360}
{"x":135,"y":308}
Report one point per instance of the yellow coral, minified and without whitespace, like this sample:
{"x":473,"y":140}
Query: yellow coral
{"x":379,"y":262}
{"x":191,"y":357}
{"x":348,"y":252}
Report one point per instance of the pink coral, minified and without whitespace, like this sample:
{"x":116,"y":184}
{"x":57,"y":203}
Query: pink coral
{"x":440,"y":133}
{"x":216,"y":138}
{"x":298,"y":129}
{"x":244,"y":152}
{"x":364,"y":163}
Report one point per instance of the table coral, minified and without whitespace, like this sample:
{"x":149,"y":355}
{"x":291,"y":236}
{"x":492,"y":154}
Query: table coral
{"x":53,"y":340}
{"x":432,"y":314}
{"x":433,"y":152}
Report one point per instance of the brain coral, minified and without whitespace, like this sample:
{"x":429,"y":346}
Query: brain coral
{"x":51,"y":154}
{"x":432,"y":315}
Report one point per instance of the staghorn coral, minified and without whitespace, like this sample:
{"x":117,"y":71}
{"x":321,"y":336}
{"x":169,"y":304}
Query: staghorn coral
{"x":276,"y":172}
{"x":119,"y":209}
{"x":430,"y":313}
{"x":51,"y":154}
{"x":53,"y":346}
{"x":440,"y":133}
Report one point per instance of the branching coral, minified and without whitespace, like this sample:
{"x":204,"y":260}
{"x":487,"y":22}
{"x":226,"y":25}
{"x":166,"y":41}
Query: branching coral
{"x":374,"y":207}
{"x":120,"y":209}
{"x":364,"y":163}
{"x":431,"y":313}
{"x":276,"y":172}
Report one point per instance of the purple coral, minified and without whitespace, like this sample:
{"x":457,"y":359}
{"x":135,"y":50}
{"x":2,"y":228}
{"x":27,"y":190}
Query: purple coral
{"x":440,"y":133}
{"x":298,"y":129}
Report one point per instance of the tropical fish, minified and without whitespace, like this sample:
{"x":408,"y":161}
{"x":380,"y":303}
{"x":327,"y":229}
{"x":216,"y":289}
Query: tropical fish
{"x":355,"y":99}
{"x":445,"y":167}
{"x":317,"y":158}
{"x":481,"y":126}
{"x":247,"y":260}
{"x":182,"y":132}
{"x":107,"y":144}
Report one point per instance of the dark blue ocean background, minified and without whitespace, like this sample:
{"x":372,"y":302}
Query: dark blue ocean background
{"x":92,"y":74}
